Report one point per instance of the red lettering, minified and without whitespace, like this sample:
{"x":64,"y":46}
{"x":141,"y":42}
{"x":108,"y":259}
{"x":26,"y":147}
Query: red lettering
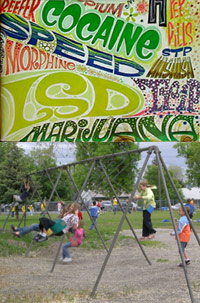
{"x":10,"y":6}
{"x":13,"y":59}
{"x":119,"y":9}
{"x":89,"y":3}
{"x":189,"y":28}
{"x":16,"y":7}
{"x":170,"y":32}
{"x":33,"y":8}
{"x":26,"y":8}
{"x":71,"y":66}
{"x":49,"y":62}
{"x":4,"y":6}
{"x":34,"y":63}
{"x":21,"y":6}
{"x":26,"y":57}
{"x":178,"y":33}
{"x":43,"y":57}
{"x":180,"y":6}
{"x":62,"y":64}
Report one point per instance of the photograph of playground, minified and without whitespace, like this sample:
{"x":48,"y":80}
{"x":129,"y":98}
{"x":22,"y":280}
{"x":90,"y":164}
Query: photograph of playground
{"x":127,"y":278}
{"x":113,"y":263}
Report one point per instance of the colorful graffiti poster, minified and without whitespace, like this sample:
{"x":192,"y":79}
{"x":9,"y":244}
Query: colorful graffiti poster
{"x":100,"y":70}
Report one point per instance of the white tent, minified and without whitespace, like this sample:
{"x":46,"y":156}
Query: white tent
{"x":191,"y":193}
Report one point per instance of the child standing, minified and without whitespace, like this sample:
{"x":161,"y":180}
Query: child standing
{"x":94,"y":214}
{"x":149,"y":204}
{"x":12,"y":211}
{"x":43,"y":205}
{"x":114,"y":205}
{"x":184,"y":233}
{"x":30,"y":210}
{"x":74,"y":241}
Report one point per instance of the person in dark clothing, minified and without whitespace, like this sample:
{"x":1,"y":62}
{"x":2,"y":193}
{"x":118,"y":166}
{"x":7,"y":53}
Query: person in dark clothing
{"x":21,"y":198}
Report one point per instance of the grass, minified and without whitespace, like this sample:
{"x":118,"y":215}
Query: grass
{"x":162,"y":260}
{"x":107,"y":225}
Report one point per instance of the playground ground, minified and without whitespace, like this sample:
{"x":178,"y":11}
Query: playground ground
{"x":127,"y":277}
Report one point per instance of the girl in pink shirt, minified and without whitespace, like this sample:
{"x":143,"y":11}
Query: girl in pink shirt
{"x":74,"y":241}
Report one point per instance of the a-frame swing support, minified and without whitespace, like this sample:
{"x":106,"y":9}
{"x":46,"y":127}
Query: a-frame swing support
{"x":98,"y":160}
{"x":95,"y":161}
{"x":161,"y":165}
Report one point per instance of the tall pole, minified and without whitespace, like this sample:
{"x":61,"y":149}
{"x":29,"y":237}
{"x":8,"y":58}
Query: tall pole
{"x":174,"y":225}
{"x":120,"y":225}
{"x":125,"y":212}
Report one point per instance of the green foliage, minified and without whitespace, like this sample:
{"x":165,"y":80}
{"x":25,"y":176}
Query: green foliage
{"x":121,"y":170}
{"x":107,"y":225}
{"x":15,"y":164}
{"x":151,"y":175}
{"x":11,"y":245}
{"x":13,"y":167}
{"x":43,"y":157}
{"x":191,"y":152}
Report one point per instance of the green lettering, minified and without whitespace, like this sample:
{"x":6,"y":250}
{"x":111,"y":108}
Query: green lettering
{"x":58,"y":125}
{"x":36,"y":132}
{"x":56,"y":8}
{"x":148,"y":41}
{"x":73,"y":127}
{"x":129,"y":36}
{"x":191,"y":132}
{"x":89,"y":22}
{"x":115,"y":33}
{"x":73,"y":11}
{"x":104,"y":31}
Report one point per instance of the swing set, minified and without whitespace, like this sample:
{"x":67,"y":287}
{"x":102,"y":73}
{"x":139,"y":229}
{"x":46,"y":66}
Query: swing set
{"x":98,"y":168}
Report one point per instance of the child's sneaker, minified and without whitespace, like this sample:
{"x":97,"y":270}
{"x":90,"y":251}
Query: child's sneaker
{"x":66,"y":260}
{"x":41,"y":238}
{"x":187,"y":262}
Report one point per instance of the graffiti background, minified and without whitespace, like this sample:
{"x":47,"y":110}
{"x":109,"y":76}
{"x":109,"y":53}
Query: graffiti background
{"x":100,"y":70}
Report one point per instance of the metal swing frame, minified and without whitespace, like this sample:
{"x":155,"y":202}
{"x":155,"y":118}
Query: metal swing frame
{"x":98,"y":160}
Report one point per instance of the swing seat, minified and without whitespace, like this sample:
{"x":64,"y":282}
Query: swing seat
{"x":74,"y":241}
{"x":58,"y":226}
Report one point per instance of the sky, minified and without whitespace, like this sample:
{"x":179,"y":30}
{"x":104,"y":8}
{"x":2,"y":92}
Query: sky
{"x":65,"y":152}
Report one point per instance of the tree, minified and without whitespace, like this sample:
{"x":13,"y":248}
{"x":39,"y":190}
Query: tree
{"x":191,"y":152}
{"x":178,"y":174}
{"x":151,"y":175}
{"x":13,"y":167}
{"x":122,"y":170}
{"x":44,"y":158}
{"x":15,"y":164}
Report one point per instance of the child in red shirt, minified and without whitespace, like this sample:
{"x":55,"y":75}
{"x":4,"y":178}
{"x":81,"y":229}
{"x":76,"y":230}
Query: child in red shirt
{"x":183,"y":232}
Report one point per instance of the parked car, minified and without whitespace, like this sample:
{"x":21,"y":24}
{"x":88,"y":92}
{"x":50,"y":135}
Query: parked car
{"x":5,"y":207}
{"x":164,"y":208}
{"x":176,"y":206}
{"x":124,"y":205}
{"x":107,"y":205}
{"x":36,"y":206}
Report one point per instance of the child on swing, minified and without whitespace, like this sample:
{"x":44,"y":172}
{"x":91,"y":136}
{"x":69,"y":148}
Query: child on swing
{"x":69,"y":215}
{"x":74,"y":241}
